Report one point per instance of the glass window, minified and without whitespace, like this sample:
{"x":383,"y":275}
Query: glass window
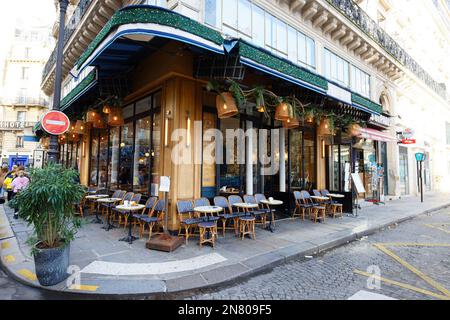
{"x":281,"y":36}
{"x":103,"y":160}
{"x":144,"y":105}
{"x":156,"y":144}
{"x":126,"y":157}
{"x":308,"y":149}
{"x":213,"y":12}
{"x":258,"y":26}
{"x":94,"y":159}
{"x":21,"y":116}
{"x":296,"y":175}
{"x":113,"y":157}
{"x":336,"y":68}
{"x":230,"y":13}
{"x":142,"y":155}
{"x":128,"y":111}
{"x":292,"y":44}
{"x":245,"y":17}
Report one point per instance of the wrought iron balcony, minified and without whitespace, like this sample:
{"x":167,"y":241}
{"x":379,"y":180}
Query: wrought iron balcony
{"x":25,"y":100}
{"x":355,"y":14}
{"x":69,"y":29}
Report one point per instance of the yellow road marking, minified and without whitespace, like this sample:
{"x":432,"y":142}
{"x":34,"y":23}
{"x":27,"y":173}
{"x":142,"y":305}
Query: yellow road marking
{"x":83,"y":287}
{"x":6,"y":245}
{"x":439,"y":228}
{"x":413,"y":244}
{"x":402,"y":285}
{"x":419,"y":273}
{"x":27,"y":274}
{"x":9,"y":258}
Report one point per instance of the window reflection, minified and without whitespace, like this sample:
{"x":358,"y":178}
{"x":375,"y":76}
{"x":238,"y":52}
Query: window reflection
{"x":126,"y":157}
{"x":113,"y":151}
{"x":142,"y":156}
{"x":103,"y":160}
{"x":94,"y":159}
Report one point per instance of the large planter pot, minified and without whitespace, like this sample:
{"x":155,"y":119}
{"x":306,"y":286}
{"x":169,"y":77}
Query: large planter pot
{"x":51,"y":265}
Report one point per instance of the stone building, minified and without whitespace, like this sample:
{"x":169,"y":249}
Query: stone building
{"x":22,"y":102}
{"x":151,"y":61}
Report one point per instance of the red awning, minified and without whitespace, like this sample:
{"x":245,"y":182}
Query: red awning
{"x":373,"y":134}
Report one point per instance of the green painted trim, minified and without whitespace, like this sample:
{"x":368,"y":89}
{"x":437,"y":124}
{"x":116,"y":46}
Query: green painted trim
{"x":79,"y":88}
{"x":283,"y":66}
{"x":143,"y":14}
{"x":358,"y":99}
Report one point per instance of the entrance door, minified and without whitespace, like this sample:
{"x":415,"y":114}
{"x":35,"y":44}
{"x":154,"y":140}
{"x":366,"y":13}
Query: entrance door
{"x":404,"y":179}
{"x":18,"y":160}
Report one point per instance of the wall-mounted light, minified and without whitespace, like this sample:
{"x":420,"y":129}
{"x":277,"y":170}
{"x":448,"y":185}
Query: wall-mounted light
{"x":323,"y":149}
{"x":188,"y":126}
{"x":166,"y":127}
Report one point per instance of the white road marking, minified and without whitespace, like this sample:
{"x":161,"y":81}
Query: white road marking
{"x":130,"y":269}
{"x":367,"y":295}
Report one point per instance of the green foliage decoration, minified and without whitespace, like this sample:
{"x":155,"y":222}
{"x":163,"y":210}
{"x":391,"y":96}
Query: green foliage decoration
{"x":47,"y":204}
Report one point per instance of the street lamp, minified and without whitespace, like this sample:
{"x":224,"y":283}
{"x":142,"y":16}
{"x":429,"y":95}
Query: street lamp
{"x":53,"y":148}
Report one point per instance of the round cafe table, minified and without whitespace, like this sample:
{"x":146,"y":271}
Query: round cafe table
{"x":270,"y":204}
{"x":108,"y":201}
{"x":130,"y":238}
{"x":210,"y":229}
{"x":246,"y":206}
{"x":93,"y":199}
{"x":208,"y":210}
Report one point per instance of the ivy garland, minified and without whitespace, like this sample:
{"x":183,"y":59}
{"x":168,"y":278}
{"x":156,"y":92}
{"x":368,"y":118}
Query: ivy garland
{"x":356,"y":98}
{"x":79,"y":88}
{"x":145,"y":14}
{"x":260,"y":56}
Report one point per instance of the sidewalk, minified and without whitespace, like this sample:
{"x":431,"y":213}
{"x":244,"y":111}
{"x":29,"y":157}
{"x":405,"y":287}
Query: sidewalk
{"x":110,"y":267}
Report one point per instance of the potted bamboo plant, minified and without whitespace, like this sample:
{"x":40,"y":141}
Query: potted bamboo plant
{"x":47,"y":204}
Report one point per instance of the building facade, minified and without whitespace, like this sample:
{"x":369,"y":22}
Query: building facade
{"x":136,"y":71}
{"x":22,"y":102}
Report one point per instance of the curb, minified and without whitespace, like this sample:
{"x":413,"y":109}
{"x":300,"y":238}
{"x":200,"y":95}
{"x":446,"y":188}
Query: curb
{"x":239,"y":271}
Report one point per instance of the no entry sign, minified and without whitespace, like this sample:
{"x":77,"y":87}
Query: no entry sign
{"x":55,"y":122}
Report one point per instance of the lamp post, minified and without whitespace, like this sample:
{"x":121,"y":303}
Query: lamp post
{"x":420,"y":158}
{"x":53,"y":148}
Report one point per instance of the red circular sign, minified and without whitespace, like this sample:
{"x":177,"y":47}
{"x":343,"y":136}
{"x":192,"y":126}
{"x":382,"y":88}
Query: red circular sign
{"x":55,"y":122}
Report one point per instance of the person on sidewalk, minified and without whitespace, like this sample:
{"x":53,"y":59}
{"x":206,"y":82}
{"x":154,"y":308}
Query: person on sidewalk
{"x":3,"y":175}
{"x":18,"y":184}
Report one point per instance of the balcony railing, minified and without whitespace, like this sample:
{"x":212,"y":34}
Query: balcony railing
{"x":69,"y":29}
{"x":24,"y":100}
{"x":355,"y":14}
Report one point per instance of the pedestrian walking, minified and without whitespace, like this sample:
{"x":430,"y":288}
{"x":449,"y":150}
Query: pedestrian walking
{"x":18,"y":184}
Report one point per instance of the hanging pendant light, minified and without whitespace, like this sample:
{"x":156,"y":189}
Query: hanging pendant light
{"x":325,"y":127}
{"x":291,"y":123}
{"x":62,"y":139}
{"x":115,"y":118}
{"x":354,"y":129}
{"x":226,"y":106}
{"x":80,"y":127}
{"x":282,"y":112}
{"x":74,"y":137}
{"x":106,"y":109}
{"x":99,"y":124}
{"x":92,"y":116}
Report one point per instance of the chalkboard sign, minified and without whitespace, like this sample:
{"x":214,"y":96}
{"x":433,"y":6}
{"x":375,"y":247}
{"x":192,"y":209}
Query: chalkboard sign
{"x":358,"y":183}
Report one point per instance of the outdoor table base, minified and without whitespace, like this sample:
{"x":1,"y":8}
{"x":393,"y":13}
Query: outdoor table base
{"x":130,"y":238}
{"x":109,"y":225}
{"x":97,"y":220}
{"x":270,"y":204}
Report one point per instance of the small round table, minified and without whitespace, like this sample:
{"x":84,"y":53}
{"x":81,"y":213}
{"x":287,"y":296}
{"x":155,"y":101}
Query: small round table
{"x":246,"y":206}
{"x":271,"y":203}
{"x":130,"y":238}
{"x":93,"y":199}
{"x":108,"y":201}
{"x":208,"y":229}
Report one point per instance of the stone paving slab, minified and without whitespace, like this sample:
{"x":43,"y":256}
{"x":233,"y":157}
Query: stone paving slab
{"x":292,"y":239}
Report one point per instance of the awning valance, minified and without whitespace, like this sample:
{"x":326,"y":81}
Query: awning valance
{"x":144,"y":22}
{"x":85,"y":85}
{"x":372,"y":134}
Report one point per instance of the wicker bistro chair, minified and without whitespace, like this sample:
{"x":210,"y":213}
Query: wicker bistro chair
{"x":259,"y":197}
{"x":145,"y":213}
{"x":301,"y":206}
{"x":324,"y":193}
{"x":105,"y":207}
{"x":336,"y":208}
{"x":115,"y":213}
{"x":154,"y":218}
{"x":316,"y":212}
{"x":187,"y":218}
{"x":236,"y":199}
{"x":259,"y":214}
{"x":227,"y":214}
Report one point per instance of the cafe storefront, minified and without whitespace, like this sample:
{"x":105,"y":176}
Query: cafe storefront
{"x":148,"y":82}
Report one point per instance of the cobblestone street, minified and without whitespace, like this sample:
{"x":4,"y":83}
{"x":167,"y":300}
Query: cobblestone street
{"x":331,"y":275}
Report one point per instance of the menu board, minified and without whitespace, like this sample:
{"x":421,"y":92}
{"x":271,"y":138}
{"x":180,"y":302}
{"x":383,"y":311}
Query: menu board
{"x":358,"y":183}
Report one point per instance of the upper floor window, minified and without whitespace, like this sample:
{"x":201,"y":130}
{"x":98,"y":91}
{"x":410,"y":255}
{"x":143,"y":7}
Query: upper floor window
{"x":336,"y":68}
{"x":243,"y":19}
{"x":447,"y":131}
{"x":21,"y":116}
{"x":25,"y":73}
{"x":159,"y":3}
{"x":360,"y":81}
{"x":19,"y":142}
{"x":27,"y":52}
